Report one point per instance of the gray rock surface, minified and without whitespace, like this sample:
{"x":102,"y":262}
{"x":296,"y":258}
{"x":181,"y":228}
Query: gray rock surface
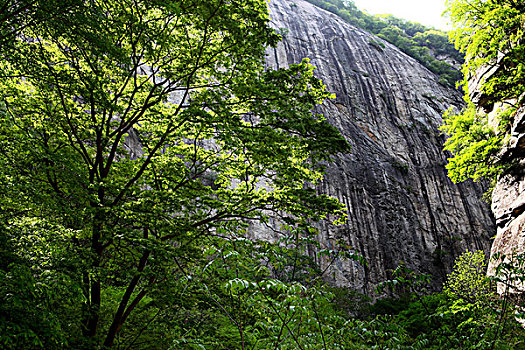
{"x":401,"y":205}
{"x":508,"y":199}
{"x":508,"y":196}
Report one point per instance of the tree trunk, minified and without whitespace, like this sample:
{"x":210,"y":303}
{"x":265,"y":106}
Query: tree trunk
{"x":123,"y":309}
{"x":95,"y":285}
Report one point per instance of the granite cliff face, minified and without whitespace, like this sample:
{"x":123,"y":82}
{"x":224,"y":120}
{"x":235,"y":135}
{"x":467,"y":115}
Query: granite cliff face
{"x":401,"y":205}
{"x":508,"y":196}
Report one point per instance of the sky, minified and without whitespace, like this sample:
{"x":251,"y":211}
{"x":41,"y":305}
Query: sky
{"x":427,"y":12}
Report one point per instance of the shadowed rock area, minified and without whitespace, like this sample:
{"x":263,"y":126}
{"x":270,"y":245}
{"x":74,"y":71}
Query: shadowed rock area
{"x":401,"y":205}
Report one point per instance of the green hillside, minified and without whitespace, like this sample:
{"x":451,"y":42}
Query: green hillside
{"x":422,"y":43}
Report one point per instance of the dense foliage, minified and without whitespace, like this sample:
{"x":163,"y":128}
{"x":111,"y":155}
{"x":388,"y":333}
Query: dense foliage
{"x":136,"y":137}
{"x":473,"y":143}
{"x":15,"y":15}
{"x":423,"y":43}
{"x":138,"y":140}
{"x":490,"y":33}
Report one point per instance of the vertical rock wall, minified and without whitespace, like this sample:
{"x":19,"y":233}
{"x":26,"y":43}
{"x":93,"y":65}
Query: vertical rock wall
{"x":401,"y":205}
{"x":508,"y":196}
{"x":508,"y":199}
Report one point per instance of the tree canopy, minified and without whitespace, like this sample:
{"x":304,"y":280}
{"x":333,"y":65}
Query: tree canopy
{"x":139,"y":134}
{"x":490,"y":33}
{"x":15,"y":15}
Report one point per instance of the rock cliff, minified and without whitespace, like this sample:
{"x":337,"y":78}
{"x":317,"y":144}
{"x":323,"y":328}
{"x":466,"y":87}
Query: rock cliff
{"x":401,"y":205}
{"x":508,"y":196}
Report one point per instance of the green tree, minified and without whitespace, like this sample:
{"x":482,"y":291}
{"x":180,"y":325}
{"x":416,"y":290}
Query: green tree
{"x":146,"y":130}
{"x":468,"y":279}
{"x":15,"y":15}
{"x":490,"y":34}
{"x":473,"y":144}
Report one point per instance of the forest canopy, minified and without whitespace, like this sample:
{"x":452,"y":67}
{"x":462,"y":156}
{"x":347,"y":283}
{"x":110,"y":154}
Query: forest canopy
{"x":490,"y":34}
{"x":427,"y":45}
{"x":139,"y":140}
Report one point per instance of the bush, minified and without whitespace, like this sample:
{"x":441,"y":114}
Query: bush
{"x":468,"y":280}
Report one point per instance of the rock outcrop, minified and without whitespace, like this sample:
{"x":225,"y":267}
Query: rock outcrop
{"x":508,"y":195}
{"x":508,"y":200}
{"x":401,"y":205}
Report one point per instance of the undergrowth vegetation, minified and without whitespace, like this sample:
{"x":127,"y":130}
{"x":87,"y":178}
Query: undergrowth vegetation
{"x":244,"y":294}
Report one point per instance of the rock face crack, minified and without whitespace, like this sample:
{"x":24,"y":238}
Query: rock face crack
{"x":401,"y":205}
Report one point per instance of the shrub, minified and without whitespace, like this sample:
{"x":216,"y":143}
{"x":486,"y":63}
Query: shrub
{"x":467,"y":280}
